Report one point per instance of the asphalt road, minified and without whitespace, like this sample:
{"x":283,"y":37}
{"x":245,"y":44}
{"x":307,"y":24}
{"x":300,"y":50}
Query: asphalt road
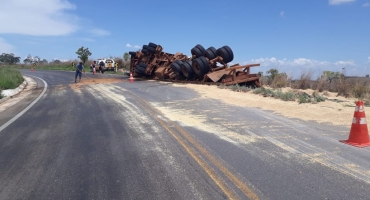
{"x":154,"y":140}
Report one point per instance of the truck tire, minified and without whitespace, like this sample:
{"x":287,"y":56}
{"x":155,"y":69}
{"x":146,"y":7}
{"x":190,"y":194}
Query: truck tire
{"x":197,"y":52}
{"x":198,"y":66}
{"x":224,"y":54}
{"x":230,"y":52}
{"x":209,"y":54}
{"x":145,"y":51}
{"x":150,"y":49}
{"x":205,"y":65}
{"x":140,"y":69}
{"x":213,"y":50}
{"x":137,"y":71}
{"x":187,"y":70}
{"x":176,"y":68}
{"x":200,"y":47}
{"x":132,"y":53}
{"x":142,"y":65}
{"x":152,"y":45}
{"x":145,"y":46}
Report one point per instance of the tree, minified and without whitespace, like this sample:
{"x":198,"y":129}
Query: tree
{"x":32,"y":59}
{"x":272,"y":74}
{"x":28,"y":59}
{"x":126,"y":56}
{"x":330,"y":76}
{"x":83,"y":54}
{"x":44,"y":61}
{"x":9,"y":58}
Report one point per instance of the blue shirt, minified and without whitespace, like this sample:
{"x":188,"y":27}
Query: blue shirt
{"x":80,"y":67}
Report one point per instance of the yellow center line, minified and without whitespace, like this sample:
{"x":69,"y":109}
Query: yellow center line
{"x":211,"y":173}
{"x":238,"y":183}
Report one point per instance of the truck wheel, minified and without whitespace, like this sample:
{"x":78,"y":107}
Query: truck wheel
{"x":230,"y":52}
{"x":187,"y":70}
{"x":152,"y":45}
{"x":178,"y":62}
{"x":206,"y":67}
{"x":197,"y":66}
{"x":197,"y":52}
{"x":132,"y":53}
{"x":151,"y":49}
{"x":140,"y":69}
{"x":200,"y":47}
{"x":176,"y":68}
{"x":145,"y":46}
{"x":209,"y":54}
{"x":213,"y":50}
{"x":142,"y":65}
{"x":145,"y":51}
{"x":224,"y":54}
{"x":137,"y":71}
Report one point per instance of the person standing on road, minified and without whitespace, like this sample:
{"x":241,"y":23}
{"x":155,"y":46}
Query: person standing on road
{"x":92,"y":66}
{"x":101,"y":65}
{"x":79,"y":70}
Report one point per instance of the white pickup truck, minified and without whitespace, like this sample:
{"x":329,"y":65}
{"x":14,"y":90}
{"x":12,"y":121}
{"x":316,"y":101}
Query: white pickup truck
{"x":109,"y":64}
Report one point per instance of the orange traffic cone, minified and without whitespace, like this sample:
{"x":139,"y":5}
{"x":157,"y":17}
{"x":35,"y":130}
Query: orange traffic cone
{"x":131,"y":78}
{"x":359,"y":135}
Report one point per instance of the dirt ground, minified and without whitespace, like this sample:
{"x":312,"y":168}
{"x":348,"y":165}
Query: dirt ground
{"x":335,"y":110}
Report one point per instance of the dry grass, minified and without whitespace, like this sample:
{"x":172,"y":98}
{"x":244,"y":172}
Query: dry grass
{"x":349,"y":87}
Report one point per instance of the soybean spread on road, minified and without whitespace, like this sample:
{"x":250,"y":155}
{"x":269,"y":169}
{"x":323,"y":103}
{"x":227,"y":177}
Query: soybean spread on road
{"x":114,"y":139}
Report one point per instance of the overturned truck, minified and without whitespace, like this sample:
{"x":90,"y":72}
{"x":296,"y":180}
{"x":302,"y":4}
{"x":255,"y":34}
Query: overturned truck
{"x":205,"y":66}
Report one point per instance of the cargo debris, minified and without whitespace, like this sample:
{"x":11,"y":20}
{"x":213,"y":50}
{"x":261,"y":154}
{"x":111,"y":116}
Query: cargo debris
{"x":205,"y":66}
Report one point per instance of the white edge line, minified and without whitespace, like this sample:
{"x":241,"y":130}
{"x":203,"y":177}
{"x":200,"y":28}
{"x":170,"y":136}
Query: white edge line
{"x":27,"y":108}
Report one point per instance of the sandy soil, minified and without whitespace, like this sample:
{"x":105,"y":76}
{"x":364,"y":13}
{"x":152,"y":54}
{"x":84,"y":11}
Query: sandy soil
{"x":330,"y":111}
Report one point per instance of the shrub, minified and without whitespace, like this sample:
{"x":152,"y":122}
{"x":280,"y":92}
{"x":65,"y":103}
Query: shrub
{"x":302,"y":98}
{"x":10,"y":78}
{"x":304,"y":82}
{"x":287,"y":96}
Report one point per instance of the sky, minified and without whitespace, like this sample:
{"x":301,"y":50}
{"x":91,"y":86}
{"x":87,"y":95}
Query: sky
{"x":293,"y":36}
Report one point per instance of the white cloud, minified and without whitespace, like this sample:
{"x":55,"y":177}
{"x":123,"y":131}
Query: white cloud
{"x":295,"y":67}
{"x":99,"y":32}
{"x":345,"y":63}
{"x":6,"y":47}
{"x":130,"y":46}
{"x":282,"y":14}
{"x":37,"y":17}
{"x":368,"y":59}
{"x":337,"y":2}
{"x":366,"y":5}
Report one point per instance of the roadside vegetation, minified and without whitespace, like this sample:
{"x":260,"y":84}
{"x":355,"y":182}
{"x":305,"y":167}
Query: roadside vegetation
{"x":275,"y":83}
{"x":10,"y":78}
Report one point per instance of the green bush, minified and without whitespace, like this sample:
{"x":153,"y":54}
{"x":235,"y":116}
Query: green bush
{"x":10,"y":78}
{"x":302,"y":98}
{"x":287,"y":96}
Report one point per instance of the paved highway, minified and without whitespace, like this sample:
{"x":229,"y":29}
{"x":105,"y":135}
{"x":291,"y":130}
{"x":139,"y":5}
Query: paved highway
{"x":157,"y":140}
